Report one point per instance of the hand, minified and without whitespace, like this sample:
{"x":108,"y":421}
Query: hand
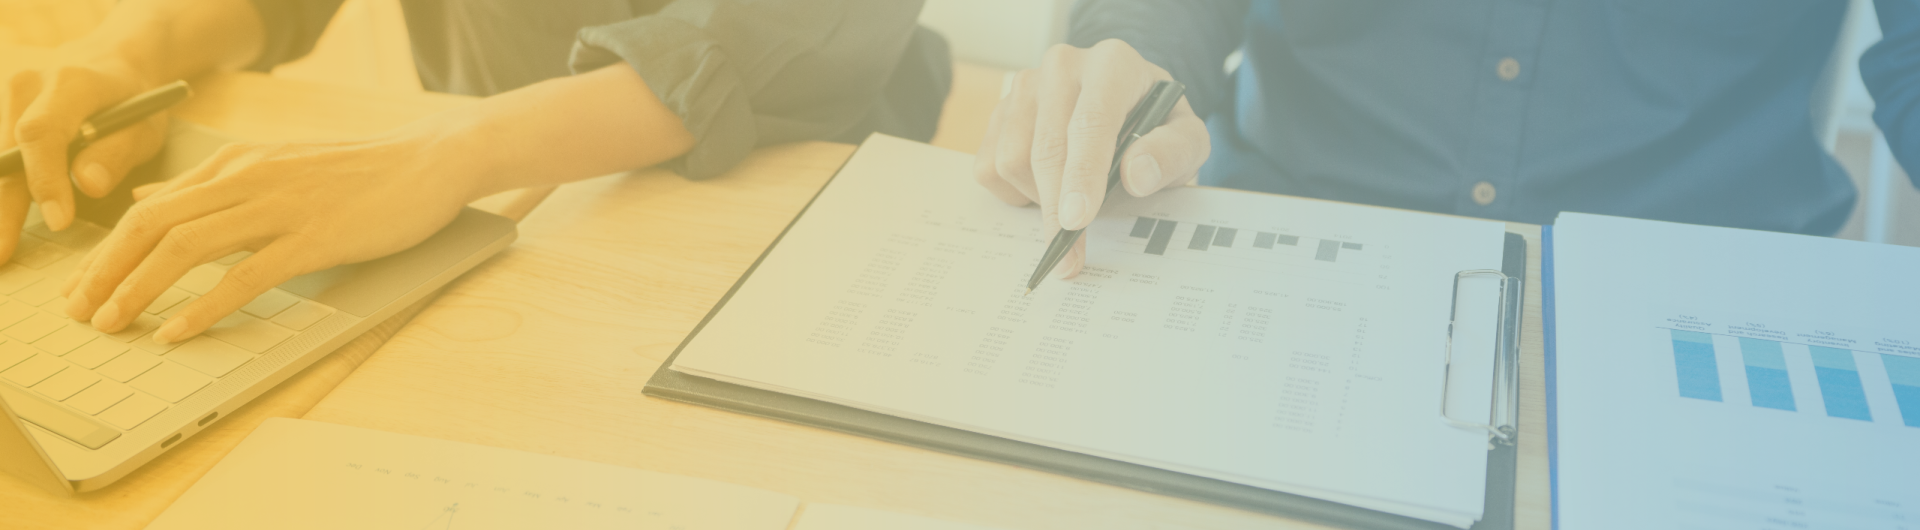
{"x":299,"y":207}
{"x":1051,"y":140}
{"x":42,"y":115}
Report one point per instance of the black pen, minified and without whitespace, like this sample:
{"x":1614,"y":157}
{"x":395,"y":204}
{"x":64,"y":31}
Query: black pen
{"x":1149,"y":113}
{"x":108,"y":121}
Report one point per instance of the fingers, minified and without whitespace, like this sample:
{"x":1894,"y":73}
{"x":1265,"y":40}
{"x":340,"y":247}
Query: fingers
{"x":101,"y":166}
{"x":1073,"y":262}
{"x":1059,"y":87}
{"x":1013,"y":159}
{"x":984,"y":160}
{"x":14,"y":202}
{"x":185,"y":247}
{"x":46,"y":127}
{"x":139,"y":238}
{"x":1167,"y":156}
{"x":148,"y":190}
{"x":271,"y":266}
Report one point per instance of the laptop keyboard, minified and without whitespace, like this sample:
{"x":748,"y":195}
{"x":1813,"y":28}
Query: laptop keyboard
{"x":90,"y":386}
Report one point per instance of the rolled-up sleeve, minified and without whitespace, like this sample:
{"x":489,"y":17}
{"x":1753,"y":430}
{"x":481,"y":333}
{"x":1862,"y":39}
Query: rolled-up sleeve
{"x":1891,"y":71}
{"x":292,"y":27}
{"x":1189,"y":38}
{"x":744,"y":74}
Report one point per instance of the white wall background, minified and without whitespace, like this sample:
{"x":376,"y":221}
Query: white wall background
{"x":1008,"y":34}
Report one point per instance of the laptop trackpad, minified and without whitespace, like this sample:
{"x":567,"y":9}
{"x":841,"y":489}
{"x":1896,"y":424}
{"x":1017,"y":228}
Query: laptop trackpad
{"x":363,"y":288}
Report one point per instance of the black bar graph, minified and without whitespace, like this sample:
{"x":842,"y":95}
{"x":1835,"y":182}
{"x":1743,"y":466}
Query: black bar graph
{"x":1159,"y":234}
{"x":1329,"y":250}
{"x":1162,"y":233}
{"x":1143,"y":227}
{"x":1202,"y":236}
{"x":1224,"y":237}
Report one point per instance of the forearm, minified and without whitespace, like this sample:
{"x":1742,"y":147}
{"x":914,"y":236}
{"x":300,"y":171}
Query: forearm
{"x":562,"y":130}
{"x":163,"y":40}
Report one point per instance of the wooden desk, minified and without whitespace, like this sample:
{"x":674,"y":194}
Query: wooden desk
{"x":546,"y":347}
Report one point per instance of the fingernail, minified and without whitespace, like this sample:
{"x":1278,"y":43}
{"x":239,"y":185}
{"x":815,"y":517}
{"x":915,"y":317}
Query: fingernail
{"x":1073,"y":206}
{"x":107,"y":317}
{"x":56,"y":215}
{"x":1143,"y":175}
{"x":77,"y":306}
{"x":171,"y":331}
{"x":96,"y":176}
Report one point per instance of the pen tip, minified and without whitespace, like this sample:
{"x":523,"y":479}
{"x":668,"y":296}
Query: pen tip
{"x":1027,"y":292}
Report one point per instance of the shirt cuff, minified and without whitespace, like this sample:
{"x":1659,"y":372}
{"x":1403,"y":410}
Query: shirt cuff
{"x":685,"y":68}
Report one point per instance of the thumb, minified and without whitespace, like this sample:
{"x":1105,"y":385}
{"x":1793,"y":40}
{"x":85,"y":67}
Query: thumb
{"x":101,"y":166}
{"x":1168,"y":155}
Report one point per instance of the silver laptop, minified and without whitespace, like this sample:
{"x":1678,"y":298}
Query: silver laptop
{"x":83,"y":408}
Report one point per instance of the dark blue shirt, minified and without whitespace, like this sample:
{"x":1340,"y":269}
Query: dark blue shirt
{"x":1696,"y":111}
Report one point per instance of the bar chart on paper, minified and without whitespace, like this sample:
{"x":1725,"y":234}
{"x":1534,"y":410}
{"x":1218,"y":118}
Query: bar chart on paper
{"x":1796,"y":371}
{"x":1215,"y":242}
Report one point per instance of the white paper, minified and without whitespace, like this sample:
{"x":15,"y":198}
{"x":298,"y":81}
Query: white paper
{"x":1679,"y":350}
{"x":1313,"y":367}
{"x":294,"y":474}
{"x":840,"y":517}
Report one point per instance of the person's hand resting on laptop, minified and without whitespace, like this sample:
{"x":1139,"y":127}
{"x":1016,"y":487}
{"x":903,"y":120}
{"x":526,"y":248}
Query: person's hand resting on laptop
{"x":1051,"y":139}
{"x":43,"y":109}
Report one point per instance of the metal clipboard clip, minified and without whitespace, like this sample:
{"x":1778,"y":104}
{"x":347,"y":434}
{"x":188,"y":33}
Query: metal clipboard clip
{"x":1505,"y":410}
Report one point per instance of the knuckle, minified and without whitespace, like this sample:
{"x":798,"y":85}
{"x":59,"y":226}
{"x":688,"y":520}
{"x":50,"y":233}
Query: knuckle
{"x":184,"y":241}
{"x":1049,"y":154}
{"x":248,"y":277}
{"x":1010,"y":167}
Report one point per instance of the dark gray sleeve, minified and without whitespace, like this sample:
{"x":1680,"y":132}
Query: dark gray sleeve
{"x":1189,"y":38}
{"x":292,"y":26}
{"x":742,"y":74}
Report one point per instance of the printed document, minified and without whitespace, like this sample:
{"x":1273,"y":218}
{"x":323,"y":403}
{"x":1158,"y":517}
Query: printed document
{"x":1288,"y":344}
{"x":1720,"y":378}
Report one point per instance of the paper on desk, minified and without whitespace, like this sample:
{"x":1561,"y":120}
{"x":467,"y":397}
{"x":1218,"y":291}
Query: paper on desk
{"x":295,"y":474}
{"x":1282,"y":343}
{"x":840,"y":517}
{"x":1719,"y":378}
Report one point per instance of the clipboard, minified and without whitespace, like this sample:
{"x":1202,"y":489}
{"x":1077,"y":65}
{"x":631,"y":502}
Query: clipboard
{"x":1501,"y":427}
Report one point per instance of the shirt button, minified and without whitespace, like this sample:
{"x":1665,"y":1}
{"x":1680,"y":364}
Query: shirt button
{"x":1508,"y":69}
{"x":1483,"y":193}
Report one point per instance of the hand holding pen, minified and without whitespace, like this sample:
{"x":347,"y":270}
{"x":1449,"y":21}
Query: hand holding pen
{"x":1051,"y":139}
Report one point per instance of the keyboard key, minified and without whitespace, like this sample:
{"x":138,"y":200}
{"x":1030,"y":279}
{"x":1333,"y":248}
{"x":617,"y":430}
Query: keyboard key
{"x":95,"y":353}
{"x":127,"y":365}
{"x":234,"y":258}
{"x":167,"y":300}
{"x":201,"y":279}
{"x":14,"y":278}
{"x":77,"y":235}
{"x":59,"y":271}
{"x":14,"y":312}
{"x":35,"y":326}
{"x":35,"y":369}
{"x":12,"y":353}
{"x":65,"y":384}
{"x":133,"y":411}
{"x":209,"y":356}
{"x":302,"y":315}
{"x":81,"y":429}
{"x":140,"y":326}
{"x":57,"y":304}
{"x":177,"y":308}
{"x":27,"y":244}
{"x":64,"y":340}
{"x":269,"y":303}
{"x":169,"y":381}
{"x":98,"y":397}
{"x":40,"y":256}
{"x":147,"y":344}
{"x":248,"y":333}
{"x":39,"y":293}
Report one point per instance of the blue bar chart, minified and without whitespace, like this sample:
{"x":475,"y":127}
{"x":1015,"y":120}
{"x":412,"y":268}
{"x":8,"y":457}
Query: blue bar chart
{"x":1767,"y":379}
{"x":1797,"y":377}
{"x":1839,"y":381}
{"x":1693,"y":362}
{"x":1904,"y":373}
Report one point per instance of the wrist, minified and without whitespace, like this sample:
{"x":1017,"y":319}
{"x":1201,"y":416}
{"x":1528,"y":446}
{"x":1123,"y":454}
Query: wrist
{"x":456,"y":147}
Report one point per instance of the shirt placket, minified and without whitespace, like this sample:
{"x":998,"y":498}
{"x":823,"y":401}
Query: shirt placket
{"x":1504,"y":72}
